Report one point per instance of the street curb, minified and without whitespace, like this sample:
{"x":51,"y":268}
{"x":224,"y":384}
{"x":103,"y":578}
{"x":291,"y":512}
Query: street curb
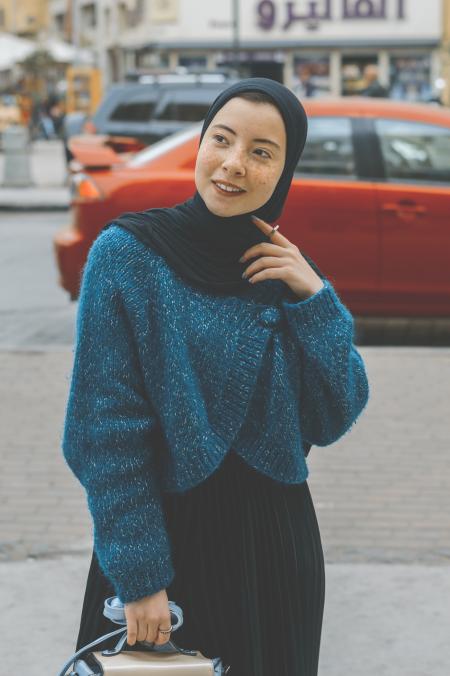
{"x":36,"y":198}
{"x":34,"y":207}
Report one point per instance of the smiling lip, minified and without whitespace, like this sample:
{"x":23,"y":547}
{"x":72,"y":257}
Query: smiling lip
{"x":228,"y":193}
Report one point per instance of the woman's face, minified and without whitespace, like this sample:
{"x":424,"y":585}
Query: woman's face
{"x":244,"y":150}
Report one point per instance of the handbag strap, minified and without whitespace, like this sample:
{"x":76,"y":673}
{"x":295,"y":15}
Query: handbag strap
{"x":151,"y":647}
{"x":87,"y":647}
{"x":114,"y":611}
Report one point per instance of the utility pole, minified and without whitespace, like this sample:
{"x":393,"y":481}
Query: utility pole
{"x":102,"y":60}
{"x":75,"y":10}
{"x":236,"y":31}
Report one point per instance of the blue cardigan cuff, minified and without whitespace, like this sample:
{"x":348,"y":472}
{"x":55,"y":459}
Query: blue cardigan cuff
{"x":313,"y":313}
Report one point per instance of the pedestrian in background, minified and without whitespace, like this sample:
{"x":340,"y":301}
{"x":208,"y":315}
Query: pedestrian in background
{"x":371,"y":85}
{"x":196,"y":395}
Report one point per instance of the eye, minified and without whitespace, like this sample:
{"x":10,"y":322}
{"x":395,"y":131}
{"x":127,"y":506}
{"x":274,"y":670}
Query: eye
{"x":266,"y":155}
{"x":219,"y":138}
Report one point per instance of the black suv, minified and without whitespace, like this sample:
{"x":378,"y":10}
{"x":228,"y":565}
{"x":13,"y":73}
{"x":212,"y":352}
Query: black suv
{"x":150,"y":107}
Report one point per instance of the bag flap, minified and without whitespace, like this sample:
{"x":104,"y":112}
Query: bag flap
{"x":132,"y":663}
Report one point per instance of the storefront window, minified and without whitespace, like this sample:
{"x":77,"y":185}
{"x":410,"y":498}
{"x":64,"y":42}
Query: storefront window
{"x":410,"y":77}
{"x":194,"y":62}
{"x":311,"y":75}
{"x":150,"y":59}
{"x":353,"y":80}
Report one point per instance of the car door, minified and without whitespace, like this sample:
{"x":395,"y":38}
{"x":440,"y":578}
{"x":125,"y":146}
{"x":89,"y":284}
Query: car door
{"x":414,"y":214}
{"x":331,"y":211}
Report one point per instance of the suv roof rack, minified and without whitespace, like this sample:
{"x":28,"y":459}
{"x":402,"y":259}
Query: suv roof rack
{"x":179,"y":76}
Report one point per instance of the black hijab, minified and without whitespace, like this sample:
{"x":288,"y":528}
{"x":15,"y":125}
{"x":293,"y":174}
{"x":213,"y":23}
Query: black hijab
{"x":202,"y":247}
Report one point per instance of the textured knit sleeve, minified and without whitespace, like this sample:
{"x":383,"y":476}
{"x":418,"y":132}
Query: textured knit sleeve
{"x":107,"y":438}
{"x":334,"y":385}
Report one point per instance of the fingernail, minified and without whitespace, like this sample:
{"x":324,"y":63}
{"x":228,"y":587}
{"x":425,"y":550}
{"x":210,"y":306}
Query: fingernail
{"x":244,"y":275}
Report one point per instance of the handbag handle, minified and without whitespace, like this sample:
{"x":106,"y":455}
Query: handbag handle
{"x":114,"y":610}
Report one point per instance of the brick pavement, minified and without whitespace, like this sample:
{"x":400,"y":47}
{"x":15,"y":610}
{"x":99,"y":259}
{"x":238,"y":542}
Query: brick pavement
{"x":42,"y":505}
{"x":381,"y":492}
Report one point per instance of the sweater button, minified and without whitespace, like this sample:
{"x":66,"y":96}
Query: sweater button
{"x":270,"y":317}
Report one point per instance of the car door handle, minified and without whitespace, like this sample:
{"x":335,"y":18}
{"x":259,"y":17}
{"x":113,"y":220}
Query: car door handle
{"x":403,"y":208}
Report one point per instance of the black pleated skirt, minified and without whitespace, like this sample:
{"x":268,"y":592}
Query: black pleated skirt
{"x":249,"y":574}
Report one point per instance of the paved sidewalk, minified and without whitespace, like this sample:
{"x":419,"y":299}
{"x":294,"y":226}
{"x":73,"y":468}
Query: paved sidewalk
{"x":379,"y":619}
{"x":35,"y":199}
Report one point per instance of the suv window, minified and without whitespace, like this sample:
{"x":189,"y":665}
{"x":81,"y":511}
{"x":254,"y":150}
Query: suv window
{"x":414,"y":150}
{"x":187,"y":112}
{"x":329,"y":148}
{"x":137,"y":111}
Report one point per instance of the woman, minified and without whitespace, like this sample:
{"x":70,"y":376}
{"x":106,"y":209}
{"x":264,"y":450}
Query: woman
{"x":211,"y":354}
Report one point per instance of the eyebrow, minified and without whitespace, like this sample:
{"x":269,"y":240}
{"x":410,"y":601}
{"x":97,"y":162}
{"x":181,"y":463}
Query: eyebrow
{"x":258,"y":140}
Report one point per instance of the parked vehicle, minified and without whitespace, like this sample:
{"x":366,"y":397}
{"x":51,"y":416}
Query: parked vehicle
{"x":370,"y":202}
{"x":147,"y":108}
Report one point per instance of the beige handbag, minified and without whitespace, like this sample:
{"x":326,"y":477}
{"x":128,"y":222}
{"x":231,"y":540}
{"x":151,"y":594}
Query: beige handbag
{"x":130,"y":663}
{"x":167,"y":659}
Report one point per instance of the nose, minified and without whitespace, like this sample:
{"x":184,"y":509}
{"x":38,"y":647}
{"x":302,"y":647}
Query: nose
{"x":234,"y":161}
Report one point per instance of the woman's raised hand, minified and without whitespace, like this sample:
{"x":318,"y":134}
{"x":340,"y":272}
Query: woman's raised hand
{"x":280,"y":259}
{"x":146,"y":616}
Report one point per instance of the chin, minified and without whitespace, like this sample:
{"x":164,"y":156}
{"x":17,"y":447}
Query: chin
{"x":224,"y":210}
{"x":219,"y":208}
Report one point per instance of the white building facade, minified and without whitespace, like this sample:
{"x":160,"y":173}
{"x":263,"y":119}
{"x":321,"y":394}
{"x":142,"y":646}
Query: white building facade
{"x":319,"y":47}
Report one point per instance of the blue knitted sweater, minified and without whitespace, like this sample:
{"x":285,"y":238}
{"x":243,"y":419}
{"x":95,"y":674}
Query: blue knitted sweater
{"x":167,"y":378}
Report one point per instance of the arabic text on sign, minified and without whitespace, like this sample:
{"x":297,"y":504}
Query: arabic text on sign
{"x":322,"y":10}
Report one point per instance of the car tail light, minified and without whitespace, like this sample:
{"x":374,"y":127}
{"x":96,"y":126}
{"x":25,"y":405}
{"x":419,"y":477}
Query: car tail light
{"x":89,"y":127}
{"x":84,"y":189}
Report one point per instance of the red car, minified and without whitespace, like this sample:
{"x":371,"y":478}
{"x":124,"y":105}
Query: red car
{"x":370,"y":202}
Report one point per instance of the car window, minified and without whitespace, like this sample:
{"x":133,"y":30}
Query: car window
{"x":329,"y":148}
{"x":184,"y":111}
{"x":135,"y":111}
{"x":414,"y":151}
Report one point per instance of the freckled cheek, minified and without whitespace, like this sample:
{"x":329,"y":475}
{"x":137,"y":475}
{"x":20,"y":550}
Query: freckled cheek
{"x":265,"y":182}
{"x":207,"y":162}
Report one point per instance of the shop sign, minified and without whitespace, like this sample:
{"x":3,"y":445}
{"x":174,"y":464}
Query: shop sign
{"x":288,"y":13}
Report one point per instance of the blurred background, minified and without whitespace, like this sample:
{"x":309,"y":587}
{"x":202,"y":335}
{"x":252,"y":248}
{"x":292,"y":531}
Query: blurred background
{"x":101,"y":104}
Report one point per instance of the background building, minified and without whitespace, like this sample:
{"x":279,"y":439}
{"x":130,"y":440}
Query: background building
{"x":25,"y":18}
{"x":317,"y":48}
{"x":445,"y":54}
